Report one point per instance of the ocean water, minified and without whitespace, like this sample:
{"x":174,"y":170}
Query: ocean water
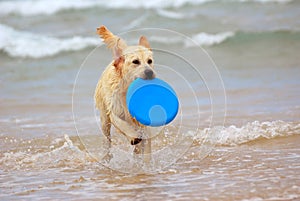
{"x":233,"y":64}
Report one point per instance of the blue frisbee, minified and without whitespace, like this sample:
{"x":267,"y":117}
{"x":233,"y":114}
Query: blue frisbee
{"x":152,"y":102}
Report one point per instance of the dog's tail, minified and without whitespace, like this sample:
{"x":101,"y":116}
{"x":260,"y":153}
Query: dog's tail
{"x":110,"y":39}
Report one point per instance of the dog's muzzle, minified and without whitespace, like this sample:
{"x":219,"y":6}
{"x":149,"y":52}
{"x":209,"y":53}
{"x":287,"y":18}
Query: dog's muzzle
{"x":149,"y":74}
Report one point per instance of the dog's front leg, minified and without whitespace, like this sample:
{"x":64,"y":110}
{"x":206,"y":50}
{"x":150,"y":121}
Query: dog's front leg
{"x":106,"y":126}
{"x":140,"y":137}
{"x":133,"y":133}
{"x":144,"y":147}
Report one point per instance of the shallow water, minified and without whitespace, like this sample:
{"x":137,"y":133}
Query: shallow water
{"x":237,"y":133}
{"x":248,"y":172}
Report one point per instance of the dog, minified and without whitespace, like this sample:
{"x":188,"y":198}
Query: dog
{"x":129,"y":63}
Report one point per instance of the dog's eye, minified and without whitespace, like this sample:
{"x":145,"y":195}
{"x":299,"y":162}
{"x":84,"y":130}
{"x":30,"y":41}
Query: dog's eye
{"x":150,"y":61}
{"x":136,"y":61}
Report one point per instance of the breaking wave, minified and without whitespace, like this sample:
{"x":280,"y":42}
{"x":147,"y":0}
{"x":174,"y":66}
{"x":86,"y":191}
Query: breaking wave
{"x":31,"y":45}
{"x":25,"y":44}
{"x":210,"y":39}
{"x":233,"y":135}
{"x":49,"y":7}
{"x":69,"y":151}
{"x":17,"y":43}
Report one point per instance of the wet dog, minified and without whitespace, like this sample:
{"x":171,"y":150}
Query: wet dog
{"x":129,"y":63}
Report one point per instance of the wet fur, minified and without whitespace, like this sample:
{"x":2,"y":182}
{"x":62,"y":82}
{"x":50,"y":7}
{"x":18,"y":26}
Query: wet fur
{"x":110,"y":93}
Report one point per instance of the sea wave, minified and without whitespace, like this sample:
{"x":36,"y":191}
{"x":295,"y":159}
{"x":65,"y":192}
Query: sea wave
{"x":267,"y":1}
{"x":233,"y":135}
{"x":25,"y":44}
{"x":31,"y":45}
{"x":17,"y":43}
{"x":49,"y":7}
{"x":202,"y":39}
{"x":57,"y":153}
{"x":68,"y":151}
{"x":170,"y":14}
{"x":209,"y":39}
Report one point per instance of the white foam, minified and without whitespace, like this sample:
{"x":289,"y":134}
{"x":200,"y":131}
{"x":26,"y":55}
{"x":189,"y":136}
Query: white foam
{"x":25,"y":44}
{"x":170,"y":14}
{"x":206,"y":39}
{"x":232,"y":135}
{"x":202,"y":39}
{"x":49,"y":7}
{"x":66,"y":155}
{"x":42,"y":7}
{"x":267,"y":1}
{"x":63,"y":152}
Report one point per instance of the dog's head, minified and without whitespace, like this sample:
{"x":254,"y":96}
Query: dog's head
{"x":130,"y":62}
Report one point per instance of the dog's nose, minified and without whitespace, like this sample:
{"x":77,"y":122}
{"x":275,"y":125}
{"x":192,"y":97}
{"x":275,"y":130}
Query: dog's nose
{"x":149,"y":73}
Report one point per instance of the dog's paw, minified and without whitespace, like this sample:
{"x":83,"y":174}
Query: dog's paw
{"x":135,"y":141}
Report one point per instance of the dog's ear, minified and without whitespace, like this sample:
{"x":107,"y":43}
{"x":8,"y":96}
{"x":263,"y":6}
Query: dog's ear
{"x":118,"y":57}
{"x":144,"y":42}
{"x":113,"y":42}
{"x":110,"y":39}
{"x":116,"y":44}
{"x":118,"y":63}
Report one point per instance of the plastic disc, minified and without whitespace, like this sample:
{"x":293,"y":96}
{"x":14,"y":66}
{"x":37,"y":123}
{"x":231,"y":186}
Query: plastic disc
{"x":152,"y":102}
